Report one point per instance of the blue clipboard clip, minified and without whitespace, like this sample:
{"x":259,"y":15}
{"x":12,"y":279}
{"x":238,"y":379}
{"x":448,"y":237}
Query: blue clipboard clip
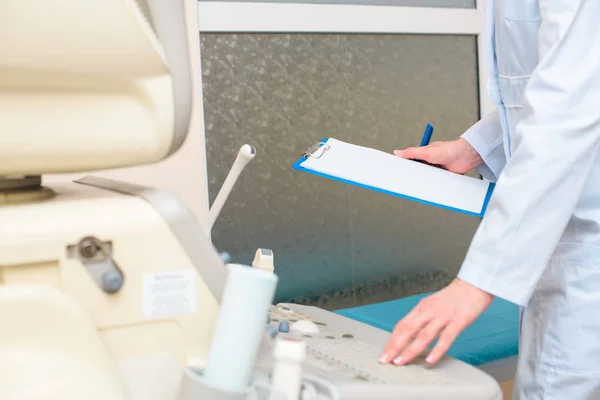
{"x":317,"y":150}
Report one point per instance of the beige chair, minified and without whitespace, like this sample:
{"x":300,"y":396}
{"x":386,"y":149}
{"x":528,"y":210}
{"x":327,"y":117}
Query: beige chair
{"x":100,"y":295}
{"x":88,"y":85}
{"x":50,"y":349}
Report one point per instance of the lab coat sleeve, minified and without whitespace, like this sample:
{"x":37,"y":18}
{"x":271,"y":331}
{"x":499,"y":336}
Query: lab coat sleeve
{"x":486,"y":138}
{"x":555,"y":146}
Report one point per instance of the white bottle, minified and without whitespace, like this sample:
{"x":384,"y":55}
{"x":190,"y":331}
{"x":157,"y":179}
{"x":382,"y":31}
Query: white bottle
{"x":289,"y":354}
{"x":240,"y":327}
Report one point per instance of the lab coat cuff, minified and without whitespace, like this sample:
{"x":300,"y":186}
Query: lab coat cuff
{"x":486,"y":172}
{"x":487,"y":139}
{"x":492,"y":154}
{"x":475,"y":275}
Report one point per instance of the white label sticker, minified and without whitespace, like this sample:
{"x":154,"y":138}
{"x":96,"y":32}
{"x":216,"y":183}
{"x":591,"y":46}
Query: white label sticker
{"x":169,"y":294}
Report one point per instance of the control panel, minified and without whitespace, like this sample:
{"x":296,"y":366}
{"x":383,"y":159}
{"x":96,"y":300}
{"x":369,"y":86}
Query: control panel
{"x":345,"y":352}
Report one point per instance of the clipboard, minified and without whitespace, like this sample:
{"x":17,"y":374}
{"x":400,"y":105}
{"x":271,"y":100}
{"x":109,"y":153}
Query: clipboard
{"x":386,"y":173}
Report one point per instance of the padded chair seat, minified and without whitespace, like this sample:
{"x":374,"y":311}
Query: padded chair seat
{"x":493,"y":336}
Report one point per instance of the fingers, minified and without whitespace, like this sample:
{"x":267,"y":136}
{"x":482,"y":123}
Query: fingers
{"x":417,"y":330}
{"x":447,"y":337}
{"x":403,"y":334}
{"x":449,"y":311}
{"x":415,"y":153}
{"x":411,"y":338}
{"x":422,"y":340}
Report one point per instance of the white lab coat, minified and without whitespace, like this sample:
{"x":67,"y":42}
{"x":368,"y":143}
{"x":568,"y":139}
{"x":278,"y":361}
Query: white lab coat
{"x":539,"y":243}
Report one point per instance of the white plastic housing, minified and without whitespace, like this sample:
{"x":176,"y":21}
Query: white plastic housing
{"x":84,"y":97}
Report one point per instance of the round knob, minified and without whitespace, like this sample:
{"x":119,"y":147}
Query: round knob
{"x":305,"y":326}
{"x":271,"y":331}
{"x":284,"y":326}
{"x":284,"y":310}
{"x":112,"y":281}
{"x":225,"y":257}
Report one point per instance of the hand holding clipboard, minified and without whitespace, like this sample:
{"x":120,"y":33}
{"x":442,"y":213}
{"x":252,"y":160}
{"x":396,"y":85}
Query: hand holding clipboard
{"x":456,"y":156}
{"x":398,"y":176}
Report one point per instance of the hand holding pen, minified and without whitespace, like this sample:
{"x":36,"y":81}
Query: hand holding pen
{"x":457,"y":156}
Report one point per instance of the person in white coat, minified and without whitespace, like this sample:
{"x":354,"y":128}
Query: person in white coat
{"x":538,"y":244}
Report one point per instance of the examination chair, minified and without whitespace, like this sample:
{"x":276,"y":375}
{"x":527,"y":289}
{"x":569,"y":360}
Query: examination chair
{"x":85,"y":86}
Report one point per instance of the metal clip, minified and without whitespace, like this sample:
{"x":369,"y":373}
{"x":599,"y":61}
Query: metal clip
{"x":314,"y":149}
{"x":96,"y":256}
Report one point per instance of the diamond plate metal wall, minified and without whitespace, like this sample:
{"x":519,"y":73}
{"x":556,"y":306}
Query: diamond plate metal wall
{"x":335,"y":245}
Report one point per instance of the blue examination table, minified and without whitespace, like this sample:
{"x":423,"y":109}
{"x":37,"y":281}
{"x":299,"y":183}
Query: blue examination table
{"x":490,"y":343}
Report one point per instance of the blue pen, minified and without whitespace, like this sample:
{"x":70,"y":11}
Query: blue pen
{"x":427,"y":135}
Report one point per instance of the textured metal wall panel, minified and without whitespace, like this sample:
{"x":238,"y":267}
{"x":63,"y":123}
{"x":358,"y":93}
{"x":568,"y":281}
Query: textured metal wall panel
{"x":335,"y":245}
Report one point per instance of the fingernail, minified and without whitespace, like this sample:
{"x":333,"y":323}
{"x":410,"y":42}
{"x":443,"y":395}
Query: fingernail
{"x":397,"y":152}
{"x":398,"y":360}
{"x":384,"y":358}
{"x":429,"y":359}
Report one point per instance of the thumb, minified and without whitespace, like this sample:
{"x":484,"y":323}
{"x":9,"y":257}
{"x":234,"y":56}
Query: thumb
{"x":414,"y":153}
